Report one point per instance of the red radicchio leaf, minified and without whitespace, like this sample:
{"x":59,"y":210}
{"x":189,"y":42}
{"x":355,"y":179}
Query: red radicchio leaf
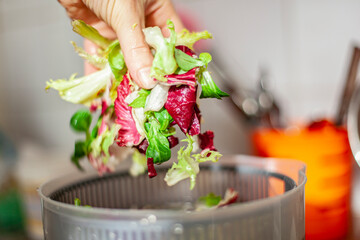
{"x":103,"y":125}
{"x":188,"y":78}
{"x":128,"y":134}
{"x":143,"y":146}
{"x":195,"y":125}
{"x":104,"y":107}
{"x":93,"y":107}
{"x":98,"y":164}
{"x":173,"y":141}
{"x":95,"y":104}
{"x":151,"y":169}
{"x":181,"y":104}
{"x":230,"y":197}
{"x":186,"y":50}
{"x":206,"y":140}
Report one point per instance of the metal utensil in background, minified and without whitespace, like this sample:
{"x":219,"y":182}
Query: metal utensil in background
{"x":255,"y":106}
{"x":350,"y":105}
{"x":269,"y":108}
{"x":353,"y":123}
{"x":348,"y":88}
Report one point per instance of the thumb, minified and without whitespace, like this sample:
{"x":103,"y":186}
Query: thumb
{"x":127,"y":18}
{"x":136,"y":52}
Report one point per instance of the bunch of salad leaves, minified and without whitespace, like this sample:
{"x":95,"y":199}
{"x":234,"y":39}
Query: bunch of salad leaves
{"x":142,"y":119}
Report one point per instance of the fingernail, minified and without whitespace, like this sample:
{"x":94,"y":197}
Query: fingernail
{"x":145,"y":79}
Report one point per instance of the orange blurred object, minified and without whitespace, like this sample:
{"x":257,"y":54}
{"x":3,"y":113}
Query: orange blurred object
{"x":325,"y":150}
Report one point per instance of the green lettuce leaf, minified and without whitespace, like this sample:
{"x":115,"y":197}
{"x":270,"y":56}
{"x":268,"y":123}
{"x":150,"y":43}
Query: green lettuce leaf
{"x":187,"y":165}
{"x":77,"y":202}
{"x":95,"y":130}
{"x":116,"y":61}
{"x":210,"y":200}
{"x":189,"y":38}
{"x":81,"y":121}
{"x":159,"y":147}
{"x":95,"y":60}
{"x":113,"y":89}
{"x":140,"y":101}
{"x":87,"y":31}
{"x":207,"y":155}
{"x":102,"y":142}
{"x":205,"y":58}
{"x":209,"y":88}
{"x":164,"y":118}
{"x":79,"y":153}
{"x":186,"y":62}
{"x":139,"y":164}
{"x":84,"y":89}
{"x":164,"y":60}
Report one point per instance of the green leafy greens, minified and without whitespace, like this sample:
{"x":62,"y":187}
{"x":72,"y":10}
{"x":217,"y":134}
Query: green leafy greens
{"x":90,"y":33}
{"x":82,"y":90}
{"x":138,"y":166}
{"x":209,"y":88}
{"x":159,"y":147}
{"x":210,"y":200}
{"x":187,"y":62}
{"x":188,"y":39}
{"x":129,"y":113}
{"x":140,"y":101}
{"x":116,"y":61}
{"x":164,"y":61}
{"x":77,"y":203}
{"x":187,"y":165}
{"x":80,"y":122}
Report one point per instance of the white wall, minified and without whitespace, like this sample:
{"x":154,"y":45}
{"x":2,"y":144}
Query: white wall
{"x":319,"y":39}
{"x":34,"y":46}
{"x":305,"y":45}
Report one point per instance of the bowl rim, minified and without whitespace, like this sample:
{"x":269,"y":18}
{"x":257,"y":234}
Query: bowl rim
{"x":137,"y":214}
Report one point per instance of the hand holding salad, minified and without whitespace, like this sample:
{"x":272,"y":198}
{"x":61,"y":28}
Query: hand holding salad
{"x":124,"y":20}
{"x":133,"y":114}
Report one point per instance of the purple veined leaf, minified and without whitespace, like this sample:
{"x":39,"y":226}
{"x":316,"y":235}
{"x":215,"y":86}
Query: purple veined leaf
{"x":98,"y":164}
{"x":128,"y":134}
{"x":94,"y":105}
{"x":173,"y":141}
{"x":186,"y":50}
{"x":104,"y":106}
{"x":195,"y":125}
{"x":181,"y":105}
{"x":103,"y":126}
{"x":230,"y":197}
{"x":206,"y":140}
{"x":143,"y":146}
{"x":188,"y":78}
{"x":151,"y":169}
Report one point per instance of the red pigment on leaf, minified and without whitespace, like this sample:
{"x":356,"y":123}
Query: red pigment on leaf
{"x":151,"y":169}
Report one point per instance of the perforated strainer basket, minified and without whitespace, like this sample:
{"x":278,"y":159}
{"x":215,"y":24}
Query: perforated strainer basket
{"x":270,"y":204}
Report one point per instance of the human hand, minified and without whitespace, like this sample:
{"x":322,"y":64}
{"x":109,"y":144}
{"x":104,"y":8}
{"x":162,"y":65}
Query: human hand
{"x":117,"y":18}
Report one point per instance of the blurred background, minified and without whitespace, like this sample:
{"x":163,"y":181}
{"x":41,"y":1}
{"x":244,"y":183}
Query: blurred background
{"x":299,"y":49}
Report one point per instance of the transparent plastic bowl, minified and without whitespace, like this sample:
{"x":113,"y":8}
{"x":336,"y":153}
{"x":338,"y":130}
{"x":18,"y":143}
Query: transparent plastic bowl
{"x":270,"y":204}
